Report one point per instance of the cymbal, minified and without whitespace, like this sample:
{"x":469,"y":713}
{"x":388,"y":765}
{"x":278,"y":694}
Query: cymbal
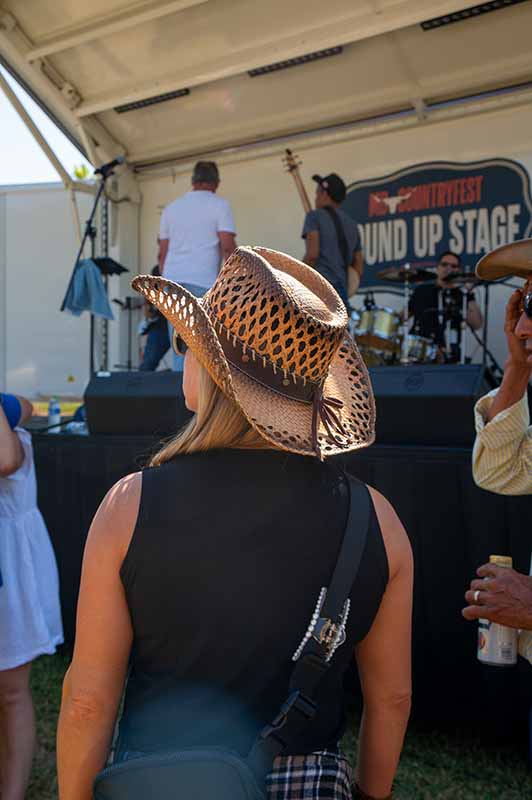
{"x":509,"y":259}
{"x":400,"y":275}
{"x":461,"y":279}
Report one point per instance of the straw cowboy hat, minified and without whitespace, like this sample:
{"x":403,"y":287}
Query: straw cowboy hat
{"x":510,"y":259}
{"x":273,"y":335}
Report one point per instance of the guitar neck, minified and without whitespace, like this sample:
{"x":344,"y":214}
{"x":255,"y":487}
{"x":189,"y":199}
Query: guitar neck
{"x":302,"y":191}
{"x":292,"y":165}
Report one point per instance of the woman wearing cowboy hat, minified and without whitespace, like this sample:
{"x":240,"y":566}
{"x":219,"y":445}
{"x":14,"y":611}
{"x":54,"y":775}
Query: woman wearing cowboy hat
{"x":203,"y":572}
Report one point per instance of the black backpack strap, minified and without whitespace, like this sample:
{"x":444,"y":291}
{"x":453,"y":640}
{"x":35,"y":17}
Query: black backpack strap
{"x":325,"y":633}
{"x":340,"y":234}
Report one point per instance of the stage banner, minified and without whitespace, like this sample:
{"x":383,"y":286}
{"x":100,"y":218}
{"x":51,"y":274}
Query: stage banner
{"x":413,"y":215}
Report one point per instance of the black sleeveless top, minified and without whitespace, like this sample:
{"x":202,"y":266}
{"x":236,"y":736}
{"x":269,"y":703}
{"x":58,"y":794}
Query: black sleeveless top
{"x":228,"y":556}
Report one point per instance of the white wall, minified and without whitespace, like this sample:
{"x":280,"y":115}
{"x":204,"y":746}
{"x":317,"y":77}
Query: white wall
{"x":43,"y":351}
{"x":3,"y":299}
{"x":267,"y":207}
{"x":40,"y":347}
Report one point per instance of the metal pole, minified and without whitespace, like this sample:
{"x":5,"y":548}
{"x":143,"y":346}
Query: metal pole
{"x":130,"y":333}
{"x":88,"y":226}
{"x":485,"y":329}
{"x":463,"y":328}
{"x":88,"y":233}
{"x":404,"y":349}
{"x":104,"y":242}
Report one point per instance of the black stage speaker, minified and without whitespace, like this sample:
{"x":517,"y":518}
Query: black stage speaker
{"x":427,"y":404}
{"x":136,"y":403}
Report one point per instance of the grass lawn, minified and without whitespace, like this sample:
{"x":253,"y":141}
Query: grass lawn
{"x":432,"y":765}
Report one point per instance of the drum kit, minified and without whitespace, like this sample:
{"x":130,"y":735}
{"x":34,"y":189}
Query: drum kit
{"x":383,"y":335}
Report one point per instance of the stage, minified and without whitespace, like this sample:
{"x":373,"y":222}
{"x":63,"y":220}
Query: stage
{"x":453,"y":527}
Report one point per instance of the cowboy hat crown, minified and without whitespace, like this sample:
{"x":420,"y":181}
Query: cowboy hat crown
{"x":272,"y":333}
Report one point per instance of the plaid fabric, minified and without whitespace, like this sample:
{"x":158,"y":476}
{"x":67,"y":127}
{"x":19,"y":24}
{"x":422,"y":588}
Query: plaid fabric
{"x":322,"y":775}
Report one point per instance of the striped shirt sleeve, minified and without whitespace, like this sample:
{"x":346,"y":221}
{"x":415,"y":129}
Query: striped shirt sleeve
{"x":525,"y":645}
{"x":502,"y":455}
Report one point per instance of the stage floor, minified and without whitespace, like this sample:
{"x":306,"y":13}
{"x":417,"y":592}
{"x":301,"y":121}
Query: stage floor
{"x":453,"y":525}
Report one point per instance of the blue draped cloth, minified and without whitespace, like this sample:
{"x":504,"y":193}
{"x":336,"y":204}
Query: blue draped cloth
{"x":87,"y":291}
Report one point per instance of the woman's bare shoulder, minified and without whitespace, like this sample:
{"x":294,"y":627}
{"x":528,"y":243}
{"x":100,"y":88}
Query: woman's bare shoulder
{"x":396,"y":541}
{"x":115,"y":520}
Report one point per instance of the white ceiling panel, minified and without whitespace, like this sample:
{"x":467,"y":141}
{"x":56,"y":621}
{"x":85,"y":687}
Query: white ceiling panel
{"x":82,"y":60}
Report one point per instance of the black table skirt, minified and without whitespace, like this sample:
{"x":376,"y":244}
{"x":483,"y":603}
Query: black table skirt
{"x":453,"y":527}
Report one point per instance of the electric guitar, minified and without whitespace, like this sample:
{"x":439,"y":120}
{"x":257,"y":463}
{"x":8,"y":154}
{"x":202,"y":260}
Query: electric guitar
{"x":292,"y":164}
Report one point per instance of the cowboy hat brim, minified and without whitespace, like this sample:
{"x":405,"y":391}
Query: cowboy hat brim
{"x":283,"y":421}
{"x":507,"y":260}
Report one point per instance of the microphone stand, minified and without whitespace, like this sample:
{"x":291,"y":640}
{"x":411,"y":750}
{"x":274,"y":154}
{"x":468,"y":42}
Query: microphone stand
{"x":129,"y":304}
{"x":496,"y":368}
{"x":405,"y":360}
{"x":463,"y":328}
{"x":447,"y":311}
{"x":485,"y":329}
{"x":89,"y":233}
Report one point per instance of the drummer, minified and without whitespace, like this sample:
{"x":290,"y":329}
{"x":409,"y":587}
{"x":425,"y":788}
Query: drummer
{"x":434,"y":305}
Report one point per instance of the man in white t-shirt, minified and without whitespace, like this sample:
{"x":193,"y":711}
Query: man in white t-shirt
{"x":197,"y":234}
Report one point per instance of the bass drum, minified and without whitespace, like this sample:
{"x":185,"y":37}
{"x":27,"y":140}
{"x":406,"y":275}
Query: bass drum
{"x":386,"y":324}
{"x":354,"y":319}
{"x":419,"y":349}
{"x":372,"y":358}
{"x":377,"y":329}
{"x":364,"y":325}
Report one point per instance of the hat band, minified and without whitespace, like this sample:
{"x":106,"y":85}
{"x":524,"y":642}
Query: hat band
{"x":287,"y":384}
{"x":262,"y":370}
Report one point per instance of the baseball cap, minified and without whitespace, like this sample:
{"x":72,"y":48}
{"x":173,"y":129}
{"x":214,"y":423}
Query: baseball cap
{"x":206,"y":172}
{"x":333,"y":185}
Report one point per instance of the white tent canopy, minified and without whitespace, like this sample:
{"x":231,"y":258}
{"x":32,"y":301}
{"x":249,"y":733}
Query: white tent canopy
{"x":86,"y":61}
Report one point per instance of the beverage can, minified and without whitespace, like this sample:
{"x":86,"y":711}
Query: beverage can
{"x":54,"y":415}
{"x":497,"y":644}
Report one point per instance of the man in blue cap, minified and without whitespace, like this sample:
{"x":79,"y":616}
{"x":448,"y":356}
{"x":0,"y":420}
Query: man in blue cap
{"x":332,"y":240}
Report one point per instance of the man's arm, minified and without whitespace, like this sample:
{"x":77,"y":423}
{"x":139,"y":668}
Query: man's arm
{"x":354,"y":272}
{"x":502,"y":455}
{"x":517,"y":371}
{"x":474,"y":314}
{"x":226,"y":229}
{"x":227,"y":244}
{"x":163,"y":252}
{"x":312,"y":248}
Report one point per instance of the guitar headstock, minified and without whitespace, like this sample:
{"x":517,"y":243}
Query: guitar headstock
{"x":291,"y":161}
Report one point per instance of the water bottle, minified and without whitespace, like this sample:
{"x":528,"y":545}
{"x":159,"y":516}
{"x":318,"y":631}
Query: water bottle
{"x":54,"y":415}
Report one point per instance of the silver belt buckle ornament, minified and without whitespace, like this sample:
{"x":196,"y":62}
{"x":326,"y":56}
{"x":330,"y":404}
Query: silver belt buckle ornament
{"x":327,"y":632}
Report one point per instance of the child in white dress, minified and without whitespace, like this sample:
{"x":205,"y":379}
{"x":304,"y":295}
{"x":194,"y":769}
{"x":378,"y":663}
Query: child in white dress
{"x":30,"y":615}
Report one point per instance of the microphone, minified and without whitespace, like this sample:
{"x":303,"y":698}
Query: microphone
{"x":369,"y":301}
{"x":106,"y":169}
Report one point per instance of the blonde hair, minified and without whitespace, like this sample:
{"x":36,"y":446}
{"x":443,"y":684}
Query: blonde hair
{"x":218,"y":423}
